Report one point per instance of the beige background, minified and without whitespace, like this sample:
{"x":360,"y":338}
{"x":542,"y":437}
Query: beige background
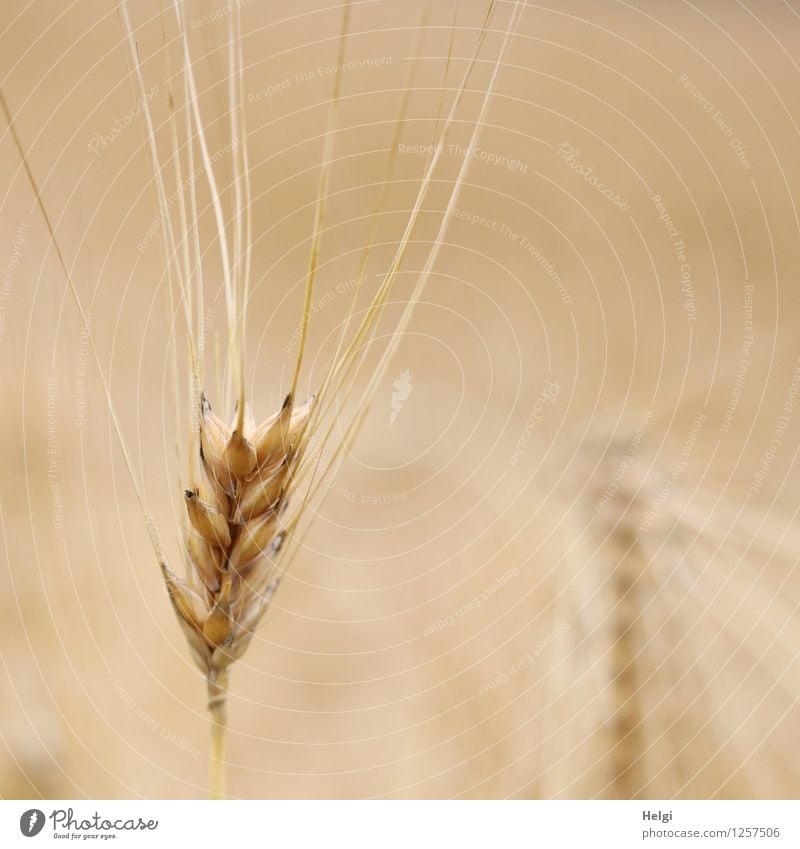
{"x":613,"y":661}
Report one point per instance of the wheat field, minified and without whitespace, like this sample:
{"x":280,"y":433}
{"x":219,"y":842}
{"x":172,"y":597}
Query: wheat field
{"x":561,"y":558}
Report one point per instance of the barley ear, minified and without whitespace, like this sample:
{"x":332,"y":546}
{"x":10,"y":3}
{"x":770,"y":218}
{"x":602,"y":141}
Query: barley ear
{"x":217,"y":690}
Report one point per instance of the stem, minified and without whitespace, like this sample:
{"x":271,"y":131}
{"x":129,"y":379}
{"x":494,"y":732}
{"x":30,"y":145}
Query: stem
{"x":217,"y":686}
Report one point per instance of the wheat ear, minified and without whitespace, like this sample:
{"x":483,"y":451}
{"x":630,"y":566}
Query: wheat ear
{"x":241,"y":474}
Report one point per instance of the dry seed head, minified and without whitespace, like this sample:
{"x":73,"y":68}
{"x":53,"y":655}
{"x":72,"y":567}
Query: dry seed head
{"x":209,"y":522}
{"x":234,"y":529}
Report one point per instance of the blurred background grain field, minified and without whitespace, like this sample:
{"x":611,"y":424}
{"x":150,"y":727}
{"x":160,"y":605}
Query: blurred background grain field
{"x":561,"y":560}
